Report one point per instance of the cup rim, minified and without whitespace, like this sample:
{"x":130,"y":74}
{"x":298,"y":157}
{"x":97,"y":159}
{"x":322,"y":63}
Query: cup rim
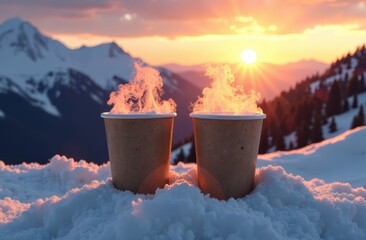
{"x":137,"y":115}
{"x":228,"y":116}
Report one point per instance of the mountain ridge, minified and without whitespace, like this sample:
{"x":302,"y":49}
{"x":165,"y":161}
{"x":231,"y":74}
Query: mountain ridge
{"x":267,"y":78}
{"x":68,"y":89}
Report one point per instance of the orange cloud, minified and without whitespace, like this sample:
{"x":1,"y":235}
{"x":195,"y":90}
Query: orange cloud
{"x":131,"y":18}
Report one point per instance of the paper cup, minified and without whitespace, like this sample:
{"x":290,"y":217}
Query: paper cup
{"x":226,"y":152}
{"x":139,"y":148}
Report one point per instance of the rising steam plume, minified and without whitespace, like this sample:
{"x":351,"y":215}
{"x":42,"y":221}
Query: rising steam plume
{"x":225,"y":97}
{"x":142,"y":94}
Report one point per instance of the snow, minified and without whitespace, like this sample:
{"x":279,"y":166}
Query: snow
{"x":341,"y":158}
{"x":99,"y":65}
{"x":2,"y":114}
{"x":76,"y":200}
{"x":96,"y":98}
{"x":43,"y":102}
{"x":288,"y":139}
{"x":171,"y":83}
{"x":100,"y":62}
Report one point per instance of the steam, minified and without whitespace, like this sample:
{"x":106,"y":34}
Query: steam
{"x":142,"y":94}
{"x":225,"y":97}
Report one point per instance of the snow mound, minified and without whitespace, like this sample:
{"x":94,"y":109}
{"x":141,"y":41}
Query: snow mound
{"x":76,"y":200}
{"x":29,"y":182}
{"x":341,"y":158}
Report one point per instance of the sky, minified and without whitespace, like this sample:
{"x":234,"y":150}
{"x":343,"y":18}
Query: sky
{"x":192,"y":32}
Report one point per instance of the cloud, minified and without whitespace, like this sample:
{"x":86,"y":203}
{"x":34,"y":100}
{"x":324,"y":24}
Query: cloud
{"x":64,"y":4}
{"x":174,"y":18}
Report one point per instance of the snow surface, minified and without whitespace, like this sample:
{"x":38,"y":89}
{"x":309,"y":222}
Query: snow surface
{"x":341,"y":158}
{"x":2,"y":114}
{"x":76,"y":200}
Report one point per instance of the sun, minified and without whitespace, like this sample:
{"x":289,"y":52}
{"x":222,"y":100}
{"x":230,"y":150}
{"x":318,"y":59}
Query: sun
{"x":248,"y":56}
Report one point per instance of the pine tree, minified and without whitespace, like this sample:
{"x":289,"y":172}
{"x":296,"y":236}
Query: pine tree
{"x":263,"y":145}
{"x":191,"y":158}
{"x":349,"y":66}
{"x":345,"y":105}
{"x":343,"y":86}
{"x":355,"y":101}
{"x":353,"y":86}
{"x":361,"y":116}
{"x":346,"y":77}
{"x":280,"y":141}
{"x":354,"y":122}
{"x":180,"y":157}
{"x":362,"y":83}
{"x":332,"y":126}
{"x":317,"y":131}
{"x":303,"y":135}
{"x":273,"y":131}
{"x":291,"y":145}
{"x":334,"y":103}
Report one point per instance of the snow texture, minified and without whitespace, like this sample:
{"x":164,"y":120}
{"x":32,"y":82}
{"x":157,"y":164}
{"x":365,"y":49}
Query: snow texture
{"x":341,"y":158}
{"x":76,"y":200}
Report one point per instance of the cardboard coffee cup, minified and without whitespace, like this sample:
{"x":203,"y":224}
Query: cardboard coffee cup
{"x":139,"y":148}
{"x":226,"y":152}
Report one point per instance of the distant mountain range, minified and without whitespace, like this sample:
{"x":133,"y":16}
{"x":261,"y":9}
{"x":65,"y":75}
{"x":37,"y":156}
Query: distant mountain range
{"x":320,"y":106}
{"x":51,"y":96}
{"x":269,"y":79}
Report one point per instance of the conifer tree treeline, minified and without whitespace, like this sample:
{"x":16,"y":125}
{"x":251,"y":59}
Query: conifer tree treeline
{"x":304,"y":108}
{"x":308,"y":105}
{"x":334,"y":106}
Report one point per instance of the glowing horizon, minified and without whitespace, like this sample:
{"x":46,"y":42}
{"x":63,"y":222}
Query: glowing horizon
{"x":276,"y":49}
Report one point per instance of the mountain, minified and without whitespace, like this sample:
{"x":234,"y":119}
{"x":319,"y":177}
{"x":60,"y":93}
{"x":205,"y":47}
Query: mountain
{"x":177,"y":68}
{"x":51,"y":96}
{"x":269,"y":79}
{"x":320,"y":106}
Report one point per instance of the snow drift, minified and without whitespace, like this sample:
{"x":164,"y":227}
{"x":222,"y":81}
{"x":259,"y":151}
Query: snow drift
{"x":76,"y":200}
{"x":341,"y":158}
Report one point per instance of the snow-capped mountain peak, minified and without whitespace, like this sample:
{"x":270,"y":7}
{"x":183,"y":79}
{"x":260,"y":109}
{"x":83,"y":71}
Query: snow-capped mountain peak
{"x":110,"y":50}
{"x":25,"y":52}
{"x":48,"y":90}
{"x":21,"y":37}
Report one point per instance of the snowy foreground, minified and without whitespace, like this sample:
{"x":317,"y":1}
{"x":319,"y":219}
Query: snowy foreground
{"x":75,"y":200}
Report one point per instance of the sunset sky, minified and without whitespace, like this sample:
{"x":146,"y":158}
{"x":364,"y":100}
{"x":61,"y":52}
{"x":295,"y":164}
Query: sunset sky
{"x":197,"y":31}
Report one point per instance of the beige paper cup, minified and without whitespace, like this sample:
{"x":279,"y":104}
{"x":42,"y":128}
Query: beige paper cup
{"x":226,"y":152}
{"x":139,"y":148}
